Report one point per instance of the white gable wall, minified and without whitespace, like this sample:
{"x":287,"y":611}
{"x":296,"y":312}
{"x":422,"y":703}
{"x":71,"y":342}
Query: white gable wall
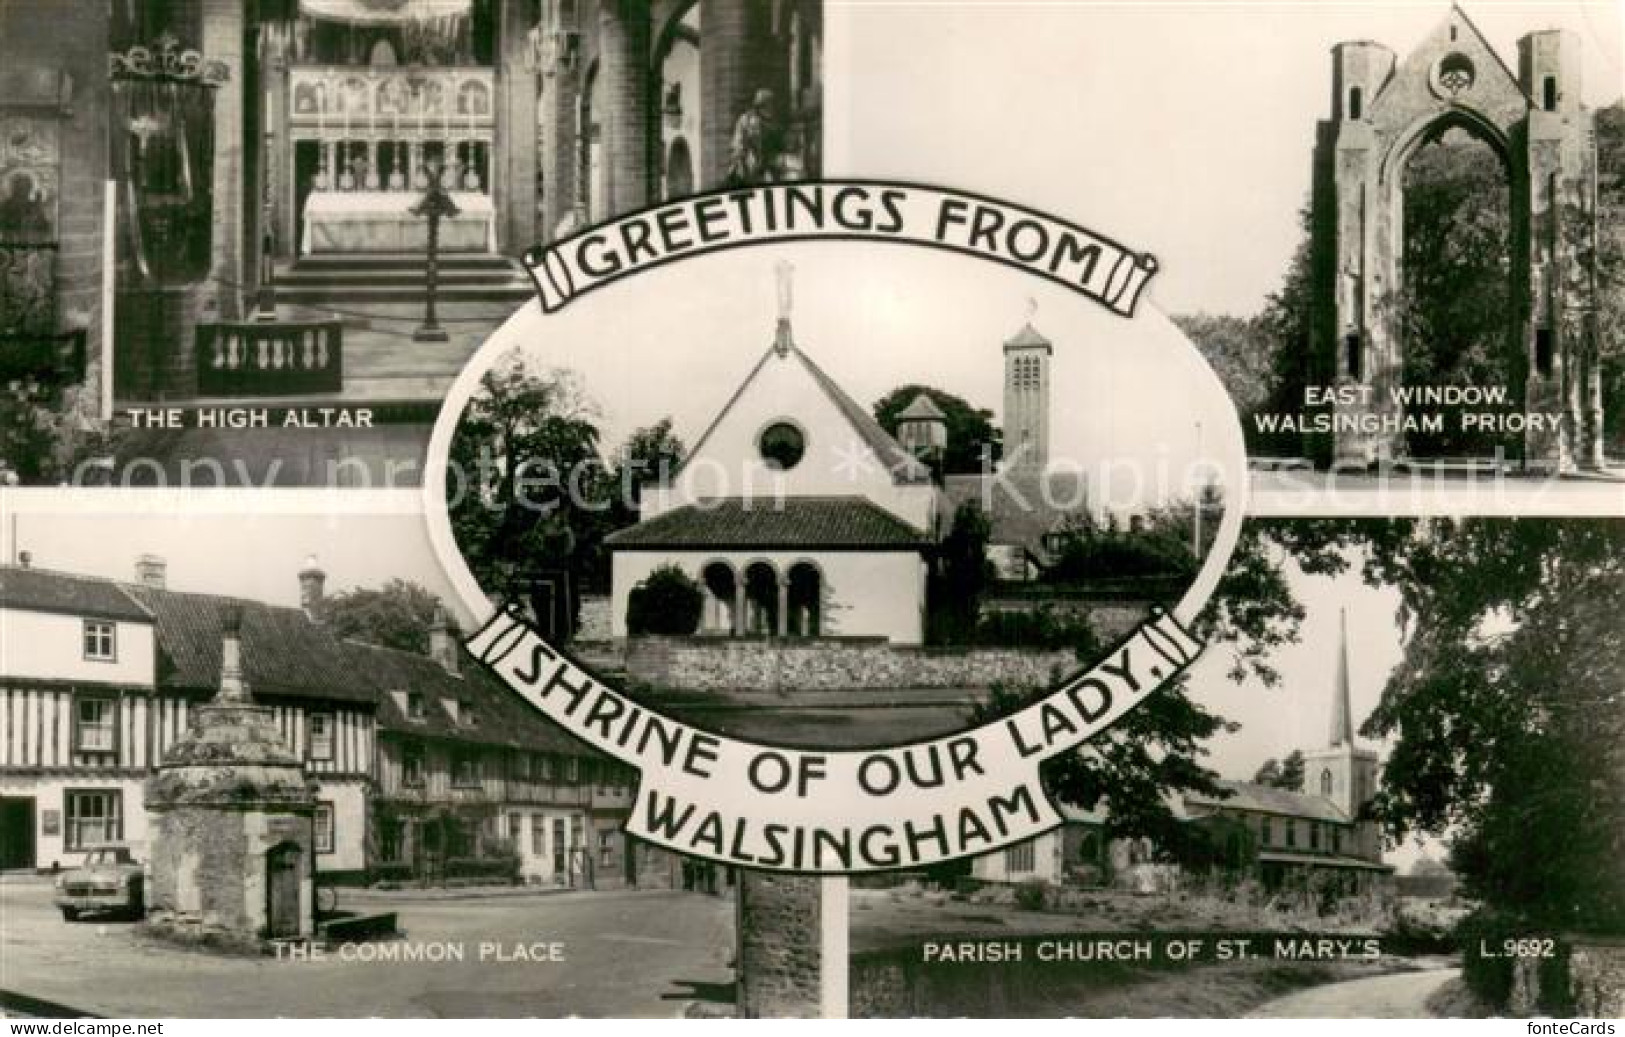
{"x":728,"y":463}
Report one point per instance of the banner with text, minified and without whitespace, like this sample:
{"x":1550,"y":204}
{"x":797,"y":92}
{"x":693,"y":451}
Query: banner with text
{"x":839,"y":210}
{"x":841,"y":812}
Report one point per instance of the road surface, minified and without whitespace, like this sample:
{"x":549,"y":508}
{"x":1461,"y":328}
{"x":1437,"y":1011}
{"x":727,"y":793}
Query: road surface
{"x":1400,"y":996}
{"x":623,"y":954}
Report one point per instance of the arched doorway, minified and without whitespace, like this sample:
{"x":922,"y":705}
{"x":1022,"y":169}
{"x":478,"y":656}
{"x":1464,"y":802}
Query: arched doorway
{"x":677,"y":70}
{"x":761,"y":600}
{"x":284,"y":874}
{"x":1455,"y":309}
{"x":722,"y":599}
{"x":804,"y":599}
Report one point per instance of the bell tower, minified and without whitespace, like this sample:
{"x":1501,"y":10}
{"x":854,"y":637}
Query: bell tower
{"x":1026,"y":397}
{"x":1342,"y":772}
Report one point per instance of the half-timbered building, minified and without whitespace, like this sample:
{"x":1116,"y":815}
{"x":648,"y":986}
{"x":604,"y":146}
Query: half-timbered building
{"x":424,"y":766}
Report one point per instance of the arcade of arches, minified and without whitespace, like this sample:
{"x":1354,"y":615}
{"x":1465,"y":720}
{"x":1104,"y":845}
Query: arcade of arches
{"x":758,"y":599}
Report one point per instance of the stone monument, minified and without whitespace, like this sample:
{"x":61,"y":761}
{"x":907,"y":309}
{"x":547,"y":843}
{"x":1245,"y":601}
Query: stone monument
{"x":232,"y":832}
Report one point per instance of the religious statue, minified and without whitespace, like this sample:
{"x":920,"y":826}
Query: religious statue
{"x":757,"y":144}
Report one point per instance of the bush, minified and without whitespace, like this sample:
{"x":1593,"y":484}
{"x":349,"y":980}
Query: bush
{"x":505,"y":869}
{"x":668,"y":604}
{"x":1043,"y":627}
{"x":391,"y":873}
{"x":1031,"y":895}
{"x":1488,"y":976}
{"x":1114,"y":554}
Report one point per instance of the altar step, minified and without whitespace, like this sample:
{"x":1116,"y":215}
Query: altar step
{"x":401,"y":278}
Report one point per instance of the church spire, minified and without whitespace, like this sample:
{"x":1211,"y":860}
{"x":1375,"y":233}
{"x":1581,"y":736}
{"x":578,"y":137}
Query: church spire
{"x":1342,"y":732}
{"x":782,"y":339}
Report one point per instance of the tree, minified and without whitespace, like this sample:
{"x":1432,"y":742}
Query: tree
{"x":1453,"y":308}
{"x":960,"y":577}
{"x":396,"y":615}
{"x":974,"y":442}
{"x":667,"y":603}
{"x":648,"y":457}
{"x":1509,"y":736}
{"x":1241,"y":352}
{"x":1286,"y":773}
{"x":529,"y":496}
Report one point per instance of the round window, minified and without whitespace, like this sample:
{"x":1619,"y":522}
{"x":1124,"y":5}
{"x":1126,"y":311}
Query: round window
{"x":782,"y":445}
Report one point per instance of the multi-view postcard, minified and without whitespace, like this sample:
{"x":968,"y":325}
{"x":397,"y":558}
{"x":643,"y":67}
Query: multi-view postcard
{"x":769,"y":509}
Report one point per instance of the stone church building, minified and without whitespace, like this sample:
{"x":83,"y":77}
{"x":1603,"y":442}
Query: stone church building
{"x":1385,"y":107}
{"x":801,"y":517}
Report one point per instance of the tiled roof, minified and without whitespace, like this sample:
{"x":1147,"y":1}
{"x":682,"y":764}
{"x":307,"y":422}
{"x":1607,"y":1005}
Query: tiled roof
{"x":921,"y":408}
{"x":284,"y":652}
{"x":503,"y":719}
{"x":41,"y":590}
{"x":1021,"y":506}
{"x":793,"y":522}
{"x":1271,"y":800}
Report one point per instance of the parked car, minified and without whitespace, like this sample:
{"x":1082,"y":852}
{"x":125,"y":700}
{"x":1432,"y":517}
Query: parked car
{"x":110,"y":879}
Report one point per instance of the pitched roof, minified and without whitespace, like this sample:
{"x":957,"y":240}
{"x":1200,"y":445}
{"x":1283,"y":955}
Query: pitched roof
{"x":42,"y":590}
{"x":503,"y":720}
{"x":921,"y":408}
{"x":1027,"y":337}
{"x":903,"y":466}
{"x":1271,"y":800}
{"x":284,"y":652}
{"x":1021,"y":506}
{"x":798,"y":522}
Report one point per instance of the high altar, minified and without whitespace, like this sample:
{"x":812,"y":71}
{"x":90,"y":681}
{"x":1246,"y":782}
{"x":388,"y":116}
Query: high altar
{"x":379,"y":134}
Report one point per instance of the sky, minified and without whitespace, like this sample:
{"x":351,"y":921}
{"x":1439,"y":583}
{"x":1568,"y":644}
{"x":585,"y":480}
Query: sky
{"x":249,"y":552}
{"x":1182,"y":129}
{"x":878,"y":316}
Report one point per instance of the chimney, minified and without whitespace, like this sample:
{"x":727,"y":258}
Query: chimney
{"x":312,"y":581}
{"x":443,"y":640}
{"x":150,"y":571}
{"x":232,"y":687}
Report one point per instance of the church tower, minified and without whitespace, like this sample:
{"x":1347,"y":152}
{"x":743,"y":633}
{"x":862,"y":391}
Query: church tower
{"x":1026,"y":399}
{"x":1343,"y":772}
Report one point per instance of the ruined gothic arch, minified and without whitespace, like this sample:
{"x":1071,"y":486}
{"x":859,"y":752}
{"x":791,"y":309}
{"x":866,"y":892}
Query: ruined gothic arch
{"x":1383,"y":109}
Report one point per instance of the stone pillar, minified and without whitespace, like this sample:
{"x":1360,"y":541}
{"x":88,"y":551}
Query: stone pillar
{"x":783,"y":616}
{"x":222,"y":40}
{"x":623,"y":65}
{"x":741,"y":623}
{"x":1559,"y":226}
{"x":515,"y":143}
{"x":780,"y":927}
{"x":1363,"y":255}
{"x":561,"y":98}
{"x":73,"y":37}
{"x":733,"y":65}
